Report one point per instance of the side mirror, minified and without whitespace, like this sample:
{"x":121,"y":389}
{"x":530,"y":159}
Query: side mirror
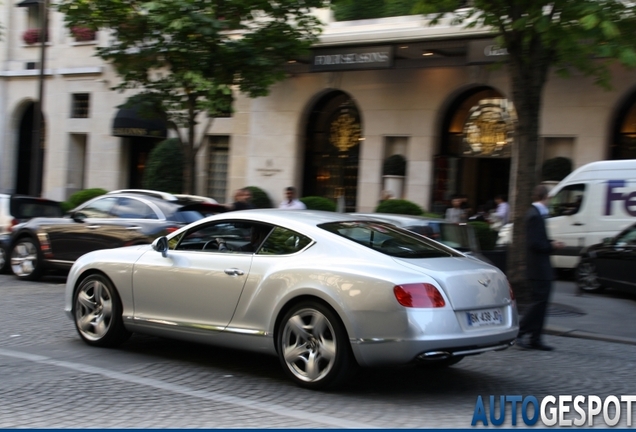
{"x":78,"y":216}
{"x":607,"y":241}
{"x":161,"y":245}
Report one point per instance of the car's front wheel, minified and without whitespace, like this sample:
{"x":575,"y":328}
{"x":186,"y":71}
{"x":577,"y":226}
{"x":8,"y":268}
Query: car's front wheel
{"x":26,"y":259}
{"x":587,"y":276}
{"x":313,"y":346}
{"x":98,"y":312}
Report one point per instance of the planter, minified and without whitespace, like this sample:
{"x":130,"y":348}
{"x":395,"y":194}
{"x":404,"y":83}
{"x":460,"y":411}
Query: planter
{"x":83,"y":34}
{"x":31,"y":36}
{"x":394,"y":184}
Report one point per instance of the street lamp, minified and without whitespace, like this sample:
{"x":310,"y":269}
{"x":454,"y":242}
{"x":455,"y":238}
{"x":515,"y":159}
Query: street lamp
{"x":37,"y":144}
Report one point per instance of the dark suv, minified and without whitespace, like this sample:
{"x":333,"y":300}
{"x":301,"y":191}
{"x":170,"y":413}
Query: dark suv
{"x":108,"y":221}
{"x":16,"y":209}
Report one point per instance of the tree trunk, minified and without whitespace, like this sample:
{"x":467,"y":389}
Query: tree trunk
{"x":529,"y":74}
{"x":189,"y":170}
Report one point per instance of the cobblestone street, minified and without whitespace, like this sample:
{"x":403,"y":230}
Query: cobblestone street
{"x":51,"y":379}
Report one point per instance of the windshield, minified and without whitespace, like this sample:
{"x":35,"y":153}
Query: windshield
{"x":388,"y":239}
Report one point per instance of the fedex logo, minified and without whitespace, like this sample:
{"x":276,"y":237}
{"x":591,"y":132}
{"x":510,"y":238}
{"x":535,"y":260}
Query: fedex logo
{"x":629,"y":199}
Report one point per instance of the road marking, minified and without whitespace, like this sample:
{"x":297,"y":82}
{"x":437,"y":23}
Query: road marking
{"x":211,"y":396}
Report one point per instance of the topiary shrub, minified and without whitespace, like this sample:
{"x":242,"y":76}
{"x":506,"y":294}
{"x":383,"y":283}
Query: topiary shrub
{"x":260,"y":199}
{"x":556,"y":169}
{"x":319,"y":203}
{"x":164,"y":167}
{"x":399,"y":206}
{"x":394,"y":165}
{"x":80,"y":197}
{"x":486,"y":236}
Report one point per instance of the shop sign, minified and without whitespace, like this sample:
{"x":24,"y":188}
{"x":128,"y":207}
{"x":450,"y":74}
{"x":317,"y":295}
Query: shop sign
{"x":357,"y":58}
{"x":485,"y":51}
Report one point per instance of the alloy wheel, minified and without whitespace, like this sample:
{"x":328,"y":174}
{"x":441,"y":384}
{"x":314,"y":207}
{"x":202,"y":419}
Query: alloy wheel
{"x":309,"y":345}
{"x":587,"y":277}
{"x":25,"y":259}
{"x":93,"y":309}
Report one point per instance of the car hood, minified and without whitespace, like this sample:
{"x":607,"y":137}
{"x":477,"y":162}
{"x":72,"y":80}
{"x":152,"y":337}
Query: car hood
{"x":467,"y":283}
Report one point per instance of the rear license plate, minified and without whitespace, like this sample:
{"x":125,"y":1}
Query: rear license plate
{"x":484,"y":317}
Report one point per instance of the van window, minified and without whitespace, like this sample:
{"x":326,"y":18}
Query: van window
{"x":567,"y":201}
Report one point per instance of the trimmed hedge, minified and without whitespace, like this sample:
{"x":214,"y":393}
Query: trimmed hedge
{"x":164,"y":168}
{"x":319,"y":203}
{"x":486,"y":236}
{"x":556,"y":169}
{"x":80,"y":197}
{"x":260,"y":199}
{"x":399,"y":206}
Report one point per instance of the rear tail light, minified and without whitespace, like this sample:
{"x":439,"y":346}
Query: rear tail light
{"x":512,"y":293}
{"x":418,"y":295}
{"x":171,"y":229}
{"x":14,"y":222}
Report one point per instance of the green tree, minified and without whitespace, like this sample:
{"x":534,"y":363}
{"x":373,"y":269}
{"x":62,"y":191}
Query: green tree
{"x":541,"y":35}
{"x":348,"y":10}
{"x":184,"y":57}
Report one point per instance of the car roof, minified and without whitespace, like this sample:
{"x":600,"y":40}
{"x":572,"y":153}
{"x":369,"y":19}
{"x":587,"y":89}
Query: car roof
{"x":400,"y":219}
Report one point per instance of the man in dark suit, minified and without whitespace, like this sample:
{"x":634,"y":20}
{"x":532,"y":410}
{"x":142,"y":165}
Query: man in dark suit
{"x":539,"y":271}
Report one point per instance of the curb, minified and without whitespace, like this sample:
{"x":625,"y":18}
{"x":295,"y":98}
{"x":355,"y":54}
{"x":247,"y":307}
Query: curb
{"x":580,"y":334}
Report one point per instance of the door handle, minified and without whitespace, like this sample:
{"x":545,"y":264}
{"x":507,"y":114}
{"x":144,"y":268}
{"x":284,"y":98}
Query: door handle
{"x":234,"y":272}
{"x":93,"y":227}
{"x":133,"y":228}
{"x":578,"y":224}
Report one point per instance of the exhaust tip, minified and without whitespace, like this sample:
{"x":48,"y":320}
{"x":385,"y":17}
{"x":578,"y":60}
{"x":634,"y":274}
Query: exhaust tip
{"x":434,"y":355}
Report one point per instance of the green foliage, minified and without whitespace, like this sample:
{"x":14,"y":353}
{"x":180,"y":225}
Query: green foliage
{"x":80,"y":197}
{"x":394,"y":165}
{"x":319,"y":203}
{"x":260,"y":199}
{"x":399,"y":206}
{"x":164,"y":167}
{"x":486,"y":236}
{"x":556,"y":169}
{"x":349,"y":10}
{"x":185,"y":56}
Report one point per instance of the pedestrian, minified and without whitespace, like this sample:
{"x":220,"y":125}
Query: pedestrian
{"x":455,"y":213}
{"x":242,"y":200}
{"x":540,"y":273}
{"x":290,"y":201}
{"x":502,"y":211}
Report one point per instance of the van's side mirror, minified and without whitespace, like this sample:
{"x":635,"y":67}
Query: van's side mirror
{"x":161,"y":245}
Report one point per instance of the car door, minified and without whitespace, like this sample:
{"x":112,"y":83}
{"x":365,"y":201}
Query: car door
{"x":84,"y":231}
{"x":195,"y":286}
{"x":621,"y":266}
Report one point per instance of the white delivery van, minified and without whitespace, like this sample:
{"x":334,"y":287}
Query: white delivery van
{"x":594,"y":202}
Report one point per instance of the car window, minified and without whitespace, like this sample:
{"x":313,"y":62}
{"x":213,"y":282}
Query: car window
{"x":130,"y":208}
{"x":100,"y":208}
{"x":236,"y":236}
{"x":388,"y":239}
{"x":283,"y":241}
{"x":628,"y":237}
{"x":567,"y":201}
{"x":30,"y":208}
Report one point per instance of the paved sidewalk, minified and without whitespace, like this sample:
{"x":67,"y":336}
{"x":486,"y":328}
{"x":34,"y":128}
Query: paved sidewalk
{"x":607,"y":316}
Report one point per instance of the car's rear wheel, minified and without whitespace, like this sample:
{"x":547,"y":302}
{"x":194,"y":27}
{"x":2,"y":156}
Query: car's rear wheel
{"x":587,"y":276}
{"x":98,"y":312}
{"x":313,"y":346}
{"x":26,"y":259}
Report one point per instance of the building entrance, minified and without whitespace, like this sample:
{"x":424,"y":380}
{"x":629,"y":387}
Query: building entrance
{"x":24,"y":165}
{"x":474,"y":155}
{"x":332,"y":148}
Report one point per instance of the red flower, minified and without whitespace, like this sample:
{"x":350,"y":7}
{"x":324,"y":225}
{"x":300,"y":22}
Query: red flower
{"x":83,"y":34}
{"x":31,"y":36}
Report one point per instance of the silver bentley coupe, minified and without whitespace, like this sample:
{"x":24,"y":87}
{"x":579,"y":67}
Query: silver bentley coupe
{"x":325,"y":292}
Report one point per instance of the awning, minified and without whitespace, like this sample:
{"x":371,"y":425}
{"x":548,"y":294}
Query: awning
{"x":26,"y":3}
{"x":130,"y":123}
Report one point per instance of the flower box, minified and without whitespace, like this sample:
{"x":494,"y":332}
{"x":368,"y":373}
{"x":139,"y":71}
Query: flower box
{"x":83,"y":34}
{"x":31,"y":36}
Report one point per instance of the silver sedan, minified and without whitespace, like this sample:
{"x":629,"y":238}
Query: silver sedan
{"x":325,"y":292}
